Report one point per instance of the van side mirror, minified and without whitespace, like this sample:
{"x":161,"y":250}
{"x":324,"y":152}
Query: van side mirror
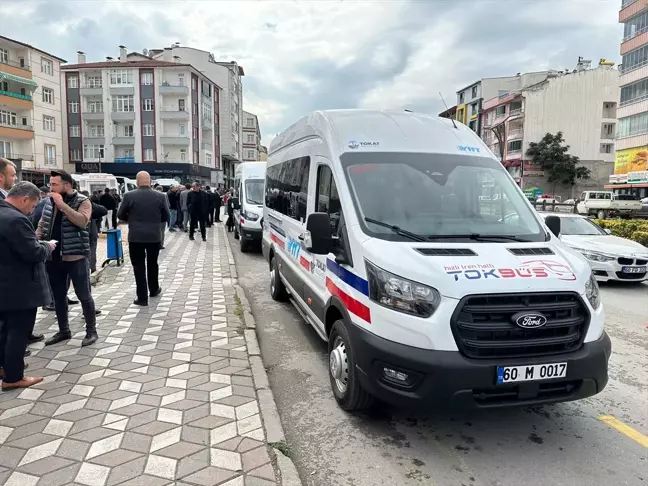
{"x":318,"y":229}
{"x":236,"y":204}
{"x":608,"y":231}
{"x":553,"y":223}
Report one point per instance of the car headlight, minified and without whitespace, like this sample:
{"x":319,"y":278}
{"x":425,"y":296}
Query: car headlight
{"x":592,"y":292}
{"x":249,"y":215}
{"x":401,"y":294}
{"x":594,"y":256}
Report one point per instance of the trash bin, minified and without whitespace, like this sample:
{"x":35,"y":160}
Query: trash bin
{"x":114,"y":248}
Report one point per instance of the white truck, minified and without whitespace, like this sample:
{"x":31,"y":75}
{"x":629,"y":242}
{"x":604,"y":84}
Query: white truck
{"x":606,"y":204}
{"x":95,"y":182}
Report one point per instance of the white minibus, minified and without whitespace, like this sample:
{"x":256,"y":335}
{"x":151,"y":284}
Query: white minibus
{"x":249,"y":180}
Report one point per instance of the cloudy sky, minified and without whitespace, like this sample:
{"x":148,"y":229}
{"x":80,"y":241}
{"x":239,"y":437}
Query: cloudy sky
{"x":303,"y":56}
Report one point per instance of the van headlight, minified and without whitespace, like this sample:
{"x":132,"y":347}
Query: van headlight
{"x":401,"y":294}
{"x":249,"y":215}
{"x":592,"y":292}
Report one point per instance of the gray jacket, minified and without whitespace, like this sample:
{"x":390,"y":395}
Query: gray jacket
{"x":183,"y":200}
{"x":145,"y":210}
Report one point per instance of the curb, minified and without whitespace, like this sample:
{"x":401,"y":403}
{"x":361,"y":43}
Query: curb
{"x":288,"y":475}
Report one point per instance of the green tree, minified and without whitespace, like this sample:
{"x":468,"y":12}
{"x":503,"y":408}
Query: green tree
{"x":552,"y":155}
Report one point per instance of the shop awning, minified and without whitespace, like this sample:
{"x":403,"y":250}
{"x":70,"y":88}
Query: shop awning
{"x":18,"y":79}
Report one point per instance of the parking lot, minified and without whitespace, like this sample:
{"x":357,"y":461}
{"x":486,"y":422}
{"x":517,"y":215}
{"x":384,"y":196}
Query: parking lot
{"x":598,"y":441}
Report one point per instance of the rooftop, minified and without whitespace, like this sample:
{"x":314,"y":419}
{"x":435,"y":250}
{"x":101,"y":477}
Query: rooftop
{"x":29,"y":46}
{"x":118,"y":63}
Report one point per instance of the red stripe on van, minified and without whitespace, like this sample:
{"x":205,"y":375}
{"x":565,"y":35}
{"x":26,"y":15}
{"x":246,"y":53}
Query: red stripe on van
{"x":277,"y":240}
{"x":304,"y":263}
{"x":352,"y":305}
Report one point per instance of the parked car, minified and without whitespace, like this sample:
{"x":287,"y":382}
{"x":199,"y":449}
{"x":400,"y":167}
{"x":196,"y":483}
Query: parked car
{"x":606,"y":204}
{"x":611,"y":257}
{"x":643,"y":212}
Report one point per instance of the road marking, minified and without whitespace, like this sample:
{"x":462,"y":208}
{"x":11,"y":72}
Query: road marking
{"x":626,"y":430}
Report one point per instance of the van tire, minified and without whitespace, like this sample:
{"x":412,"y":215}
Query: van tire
{"x":354,"y":397}
{"x":243,"y":244}
{"x":278,"y":290}
{"x":602,"y":214}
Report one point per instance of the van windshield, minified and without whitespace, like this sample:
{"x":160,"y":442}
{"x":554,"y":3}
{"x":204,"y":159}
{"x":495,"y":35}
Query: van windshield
{"x":254,"y":191}
{"x":438,"y":196}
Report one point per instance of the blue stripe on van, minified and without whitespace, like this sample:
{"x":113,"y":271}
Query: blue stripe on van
{"x":350,"y":278}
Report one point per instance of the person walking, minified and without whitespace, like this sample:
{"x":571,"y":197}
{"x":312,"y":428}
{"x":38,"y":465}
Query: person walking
{"x":198,"y":204}
{"x":145,"y":211}
{"x":173,"y":197}
{"x":66,"y":216}
{"x":23,"y":285}
{"x":184,"y":198}
{"x":163,"y":225}
{"x":108,"y":202}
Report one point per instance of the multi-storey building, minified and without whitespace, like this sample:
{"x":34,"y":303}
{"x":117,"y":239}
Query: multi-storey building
{"x":123,"y":116}
{"x":251,"y":138}
{"x":581,"y":104}
{"x":263,"y":153}
{"x":31,"y":131}
{"x":631,"y":168}
{"x":228,"y":76}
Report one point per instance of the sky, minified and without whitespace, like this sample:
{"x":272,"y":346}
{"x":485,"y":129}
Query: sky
{"x":301,"y":56}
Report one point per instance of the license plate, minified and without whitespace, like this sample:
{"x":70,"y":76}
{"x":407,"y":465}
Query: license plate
{"x":634,"y":269}
{"x":513,"y":374}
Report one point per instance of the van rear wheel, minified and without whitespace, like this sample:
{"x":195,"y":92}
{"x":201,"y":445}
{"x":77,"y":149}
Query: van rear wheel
{"x":602,"y":214}
{"x":348,"y":391}
{"x":277,"y":288}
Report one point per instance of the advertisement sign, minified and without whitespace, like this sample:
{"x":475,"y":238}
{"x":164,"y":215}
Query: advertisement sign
{"x":640,"y":177}
{"x":631,"y":160}
{"x":618,"y":179}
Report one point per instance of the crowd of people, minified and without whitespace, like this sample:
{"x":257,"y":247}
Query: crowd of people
{"x":48,"y":240}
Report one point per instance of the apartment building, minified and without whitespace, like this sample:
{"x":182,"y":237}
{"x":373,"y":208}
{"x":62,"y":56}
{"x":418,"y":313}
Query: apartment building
{"x":31,"y":132}
{"x":251,"y":138}
{"x":630,"y":168}
{"x":263,"y":153}
{"x":582,"y":104}
{"x":227,"y":75}
{"x":125,"y":115}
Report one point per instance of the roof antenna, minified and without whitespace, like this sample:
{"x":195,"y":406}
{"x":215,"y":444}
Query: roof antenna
{"x":447,"y":109}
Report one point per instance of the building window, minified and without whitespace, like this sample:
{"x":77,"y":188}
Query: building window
{"x":121,"y":76}
{"x":128,"y":130}
{"x":149,"y":155}
{"x":123,"y":103}
{"x":73,"y":107}
{"x":250,"y":154}
{"x":73,"y":82}
{"x":4,"y":56}
{"x":95,"y":131}
{"x":48,"y":96}
{"x":182,"y":128}
{"x":75,"y":131}
{"x":195,"y":133}
{"x":50,"y":155}
{"x":195,"y":157}
{"x":75,"y":155}
{"x":148,"y":129}
{"x":461,"y":98}
{"x":500,"y":111}
{"x":473,"y":93}
{"x":194,"y":108}
{"x":250,"y":138}
{"x":607,"y":148}
{"x":95,"y":107}
{"x":147,"y":104}
{"x":93,"y":152}
{"x":181,"y":80}
{"x":94,"y":82}
{"x":194,"y":84}
{"x":49,"y":123}
{"x":147,"y":79}
{"x":183,"y":155}
{"x":47,"y":66}
{"x":515,"y":146}
{"x":208,"y":160}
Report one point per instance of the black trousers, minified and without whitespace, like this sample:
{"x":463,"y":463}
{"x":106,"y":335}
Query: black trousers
{"x":195,"y":221}
{"x":144,"y":258}
{"x":217,"y":214}
{"x":16,"y":326}
{"x":60,"y":273}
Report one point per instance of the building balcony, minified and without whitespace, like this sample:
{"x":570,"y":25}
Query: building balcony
{"x":16,"y":100}
{"x":123,"y":140}
{"x":634,"y":42}
{"x":124,"y":160}
{"x":632,"y":108}
{"x":182,"y":140}
{"x":94,"y":140}
{"x":122,"y":90}
{"x":174,"y":89}
{"x":122,"y":115}
{"x":91,"y":90}
{"x":515,"y":134}
{"x":514,"y":154}
{"x":16,"y":132}
{"x":516,"y":113}
{"x":630,"y":9}
{"x":92,"y":115}
{"x":207,"y":124}
{"x":168,"y":113}
{"x":16,"y":68}
{"x":206,"y":146}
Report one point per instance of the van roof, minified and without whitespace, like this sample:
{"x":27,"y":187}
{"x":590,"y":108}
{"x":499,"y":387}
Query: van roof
{"x":382,"y":131}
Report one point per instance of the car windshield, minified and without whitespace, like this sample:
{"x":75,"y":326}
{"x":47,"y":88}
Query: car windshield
{"x":254,"y":191}
{"x":579,"y":226}
{"x":437,"y":196}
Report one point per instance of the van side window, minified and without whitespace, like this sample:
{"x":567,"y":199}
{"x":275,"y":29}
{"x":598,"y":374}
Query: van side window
{"x":287,"y":187}
{"x":328,"y":199}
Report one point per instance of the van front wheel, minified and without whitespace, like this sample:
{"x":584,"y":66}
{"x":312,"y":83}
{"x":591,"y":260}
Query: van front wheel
{"x":348,"y":391}
{"x":277,"y":288}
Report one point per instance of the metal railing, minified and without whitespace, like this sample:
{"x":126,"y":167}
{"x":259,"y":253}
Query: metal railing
{"x":626,"y":3}
{"x":124,"y":160}
{"x":91,"y":85}
{"x":515,"y":134}
{"x":19,"y":127}
{"x":635,"y":34}
{"x":515,"y":112}
{"x":17,"y":64}
{"x":623,"y":69}
{"x":173,"y":108}
{"x":13,"y":156}
{"x":49,"y":161}
{"x":632,"y":101}
{"x":13,"y":94}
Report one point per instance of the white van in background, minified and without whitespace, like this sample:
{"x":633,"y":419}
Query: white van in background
{"x":249,"y":180}
{"x":125,"y":184}
{"x":95,"y":182}
{"x":409,"y":248}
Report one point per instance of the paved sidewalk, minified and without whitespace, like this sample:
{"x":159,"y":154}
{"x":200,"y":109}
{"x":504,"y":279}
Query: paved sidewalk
{"x":165,"y":397}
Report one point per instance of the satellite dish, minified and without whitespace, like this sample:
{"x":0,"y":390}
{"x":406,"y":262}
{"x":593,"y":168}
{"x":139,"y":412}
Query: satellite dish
{"x":145,"y":51}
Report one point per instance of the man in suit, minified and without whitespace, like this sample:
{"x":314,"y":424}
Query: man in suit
{"x":108,"y":201}
{"x":198,"y":204}
{"x":146,"y":211}
{"x":22,"y":281}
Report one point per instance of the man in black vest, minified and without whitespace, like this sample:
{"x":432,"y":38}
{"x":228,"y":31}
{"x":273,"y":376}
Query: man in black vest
{"x":198,"y":204}
{"x":65,"y":219}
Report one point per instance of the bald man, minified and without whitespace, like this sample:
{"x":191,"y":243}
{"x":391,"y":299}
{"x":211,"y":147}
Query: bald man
{"x":145,"y":211}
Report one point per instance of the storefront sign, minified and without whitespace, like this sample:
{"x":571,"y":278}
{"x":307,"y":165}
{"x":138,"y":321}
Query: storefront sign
{"x":639,"y":177}
{"x":534,"y":173}
{"x":631,"y":160}
{"x":28,"y":164}
{"x":87,"y":167}
{"x":618,"y":179}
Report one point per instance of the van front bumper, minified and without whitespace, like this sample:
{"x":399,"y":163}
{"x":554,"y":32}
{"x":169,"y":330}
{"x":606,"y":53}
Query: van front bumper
{"x":440,"y":379}
{"x":250,"y":234}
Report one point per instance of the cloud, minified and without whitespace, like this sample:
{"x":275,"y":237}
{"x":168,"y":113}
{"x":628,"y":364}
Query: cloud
{"x":303,"y":56}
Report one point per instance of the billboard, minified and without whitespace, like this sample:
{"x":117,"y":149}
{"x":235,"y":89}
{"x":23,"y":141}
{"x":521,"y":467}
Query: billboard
{"x":631,"y":160}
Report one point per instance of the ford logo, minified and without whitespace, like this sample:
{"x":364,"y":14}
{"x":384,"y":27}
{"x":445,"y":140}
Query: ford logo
{"x":529,"y":321}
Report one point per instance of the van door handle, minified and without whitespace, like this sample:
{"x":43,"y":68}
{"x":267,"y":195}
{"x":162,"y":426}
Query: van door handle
{"x":301,"y":237}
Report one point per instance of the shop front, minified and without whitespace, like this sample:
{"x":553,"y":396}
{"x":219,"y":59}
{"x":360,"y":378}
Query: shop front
{"x":634,"y":183}
{"x":183,"y":173}
{"x":26,"y":171}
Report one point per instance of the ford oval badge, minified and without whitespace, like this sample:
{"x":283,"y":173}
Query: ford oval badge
{"x":529,"y":320}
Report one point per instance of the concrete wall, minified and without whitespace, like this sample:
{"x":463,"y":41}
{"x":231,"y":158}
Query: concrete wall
{"x":600,"y":173}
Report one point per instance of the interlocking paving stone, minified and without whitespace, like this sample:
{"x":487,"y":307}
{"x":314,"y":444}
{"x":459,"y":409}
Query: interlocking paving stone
{"x":164,"y":397}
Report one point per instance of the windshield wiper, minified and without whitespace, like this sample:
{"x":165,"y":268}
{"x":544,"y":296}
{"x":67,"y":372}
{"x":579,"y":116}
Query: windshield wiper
{"x":478,"y":237}
{"x":397,"y":230}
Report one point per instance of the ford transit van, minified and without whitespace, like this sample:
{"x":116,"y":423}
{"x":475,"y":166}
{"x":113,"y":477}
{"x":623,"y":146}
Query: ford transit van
{"x":409,"y":248}
{"x":249,"y":180}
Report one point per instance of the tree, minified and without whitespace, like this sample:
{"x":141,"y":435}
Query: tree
{"x":552,"y":155}
{"x":500,"y":134}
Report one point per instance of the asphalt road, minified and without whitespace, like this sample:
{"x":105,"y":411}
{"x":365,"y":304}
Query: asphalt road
{"x":558,"y":445}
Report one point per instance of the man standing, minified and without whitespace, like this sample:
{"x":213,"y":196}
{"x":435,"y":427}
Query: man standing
{"x":146,"y":211}
{"x":66,"y":216}
{"x":216,"y":202}
{"x":38,"y":210}
{"x":108,"y":202}
{"x":174,"y":201}
{"x":22,"y":281}
{"x":184,"y":198}
{"x":210,"y":207}
{"x":198,"y":204}
{"x":115,"y":194}
{"x":98,"y":212}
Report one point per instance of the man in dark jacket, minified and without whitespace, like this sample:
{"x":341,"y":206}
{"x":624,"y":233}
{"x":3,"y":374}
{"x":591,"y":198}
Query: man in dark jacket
{"x":108,"y":201}
{"x":146,"y":211}
{"x":174,"y":204}
{"x":198,"y":205}
{"x":98,"y":212}
{"x":216,"y":202}
{"x":22,"y":281}
{"x":210,"y":207}
{"x":38,"y":210}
